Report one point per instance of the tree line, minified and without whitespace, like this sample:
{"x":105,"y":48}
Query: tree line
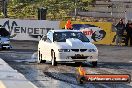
{"x":56,"y":9}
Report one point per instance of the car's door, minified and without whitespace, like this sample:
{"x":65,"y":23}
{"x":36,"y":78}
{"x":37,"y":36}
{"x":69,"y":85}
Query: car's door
{"x":47,"y":46}
{"x":42,"y":46}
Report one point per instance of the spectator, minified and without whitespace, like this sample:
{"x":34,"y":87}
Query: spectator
{"x":120,"y":27}
{"x":68,"y":25}
{"x":129,"y":33}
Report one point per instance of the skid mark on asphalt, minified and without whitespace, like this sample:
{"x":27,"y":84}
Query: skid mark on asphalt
{"x":67,"y":77}
{"x":62,"y":74}
{"x":54,"y":75}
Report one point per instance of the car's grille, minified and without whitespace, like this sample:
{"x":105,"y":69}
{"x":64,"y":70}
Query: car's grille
{"x":83,"y":50}
{"x":79,"y":57}
{"x":75,"y":50}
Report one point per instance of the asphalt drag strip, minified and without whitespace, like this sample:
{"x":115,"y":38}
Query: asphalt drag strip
{"x":64,"y":75}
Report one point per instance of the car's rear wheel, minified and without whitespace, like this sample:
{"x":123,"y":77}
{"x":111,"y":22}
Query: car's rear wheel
{"x":94,"y":63}
{"x":40,"y":58}
{"x":53,"y":61}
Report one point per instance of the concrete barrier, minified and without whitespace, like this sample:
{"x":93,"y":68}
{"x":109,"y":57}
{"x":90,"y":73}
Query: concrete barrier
{"x":10,"y":78}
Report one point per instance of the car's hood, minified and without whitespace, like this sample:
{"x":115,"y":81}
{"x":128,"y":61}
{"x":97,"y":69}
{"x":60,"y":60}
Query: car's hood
{"x":75,"y":44}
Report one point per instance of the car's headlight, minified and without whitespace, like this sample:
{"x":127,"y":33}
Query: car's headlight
{"x":92,"y":50}
{"x":64,"y":50}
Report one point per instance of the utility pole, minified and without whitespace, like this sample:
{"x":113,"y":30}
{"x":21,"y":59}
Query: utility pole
{"x":4,"y":8}
{"x":75,"y":10}
{"x":111,"y":13}
{"x":126,"y":12}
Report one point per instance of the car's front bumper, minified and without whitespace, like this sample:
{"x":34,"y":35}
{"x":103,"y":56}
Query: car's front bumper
{"x":73,"y":56}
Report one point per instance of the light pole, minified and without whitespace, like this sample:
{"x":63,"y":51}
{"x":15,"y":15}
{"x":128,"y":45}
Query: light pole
{"x":112,"y":6}
{"x":75,"y":10}
{"x":4,"y":8}
{"x":126,"y":14}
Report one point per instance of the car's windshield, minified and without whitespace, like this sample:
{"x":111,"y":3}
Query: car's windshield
{"x":62,"y":36}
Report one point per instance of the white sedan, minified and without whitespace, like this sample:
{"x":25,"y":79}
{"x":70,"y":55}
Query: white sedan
{"x":66,"y":46}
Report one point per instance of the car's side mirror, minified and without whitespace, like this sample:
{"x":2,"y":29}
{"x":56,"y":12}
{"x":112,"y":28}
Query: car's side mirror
{"x":44,"y":38}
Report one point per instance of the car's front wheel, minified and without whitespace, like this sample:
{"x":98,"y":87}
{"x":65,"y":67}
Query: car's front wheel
{"x":94,"y":63}
{"x":40,"y":58}
{"x":53,"y":61}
